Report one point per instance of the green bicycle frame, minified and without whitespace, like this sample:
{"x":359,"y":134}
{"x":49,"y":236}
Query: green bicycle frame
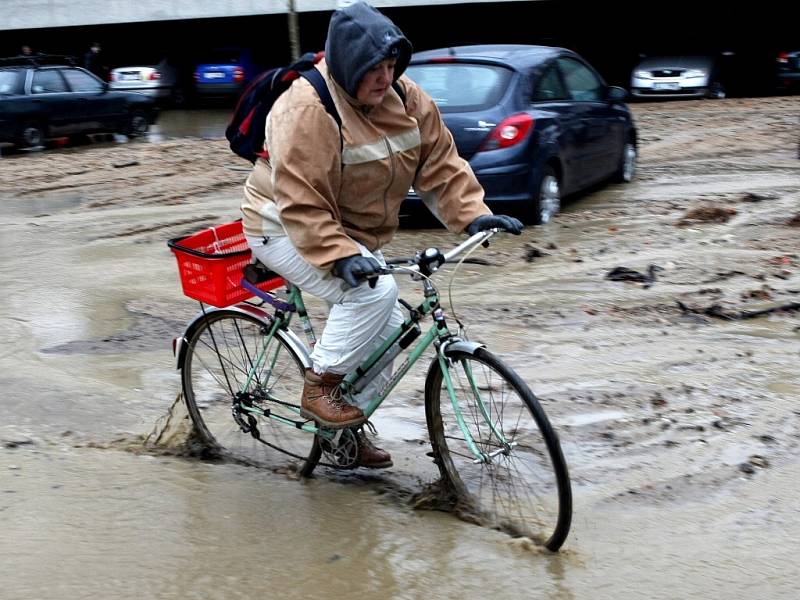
{"x":437,"y":331}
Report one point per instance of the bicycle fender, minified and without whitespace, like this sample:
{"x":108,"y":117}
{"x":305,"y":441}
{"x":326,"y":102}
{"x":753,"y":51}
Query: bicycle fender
{"x":461,"y":346}
{"x":181,"y":343}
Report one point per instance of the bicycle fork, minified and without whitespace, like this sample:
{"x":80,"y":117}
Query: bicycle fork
{"x":446,"y":363}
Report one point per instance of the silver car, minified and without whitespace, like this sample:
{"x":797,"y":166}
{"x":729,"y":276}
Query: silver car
{"x":676,"y":76}
{"x":159,"y":81}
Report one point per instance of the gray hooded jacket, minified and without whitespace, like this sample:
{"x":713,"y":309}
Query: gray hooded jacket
{"x":359,"y":37}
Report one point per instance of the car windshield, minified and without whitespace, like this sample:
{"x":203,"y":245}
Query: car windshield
{"x":8,"y":82}
{"x":223,"y":57}
{"x":461,"y":87}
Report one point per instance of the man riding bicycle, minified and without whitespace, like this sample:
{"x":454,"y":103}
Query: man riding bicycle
{"x":320,"y":207}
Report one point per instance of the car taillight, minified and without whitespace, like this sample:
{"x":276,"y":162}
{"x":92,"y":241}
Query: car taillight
{"x":783,"y":57}
{"x":154,"y":76}
{"x":112,"y":76}
{"x":238,"y":74}
{"x":509,"y":132}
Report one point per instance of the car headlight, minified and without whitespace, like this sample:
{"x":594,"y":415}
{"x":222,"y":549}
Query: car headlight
{"x":694,"y":73}
{"x":642,"y":74}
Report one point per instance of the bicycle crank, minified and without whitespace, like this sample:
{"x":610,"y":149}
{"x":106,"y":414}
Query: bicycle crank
{"x":339,"y":448}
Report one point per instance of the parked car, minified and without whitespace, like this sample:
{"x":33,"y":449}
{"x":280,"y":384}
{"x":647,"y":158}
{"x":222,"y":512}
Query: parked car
{"x":163,"y":80}
{"x":224,"y":73}
{"x":536,"y":123}
{"x":678,"y":76}
{"x":46,"y":97}
{"x":788,"y":72}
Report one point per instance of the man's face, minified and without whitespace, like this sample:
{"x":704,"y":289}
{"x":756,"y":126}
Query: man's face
{"x":376,"y":82}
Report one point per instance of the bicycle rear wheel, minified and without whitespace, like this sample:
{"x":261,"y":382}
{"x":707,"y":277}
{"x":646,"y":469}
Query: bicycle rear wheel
{"x":219,"y":359}
{"x":524,"y":487}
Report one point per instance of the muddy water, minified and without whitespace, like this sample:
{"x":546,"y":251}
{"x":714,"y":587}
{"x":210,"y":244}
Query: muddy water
{"x":681,"y":430}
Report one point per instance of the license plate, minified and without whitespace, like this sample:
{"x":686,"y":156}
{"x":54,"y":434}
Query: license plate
{"x":214,"y":75}
{"x":664,"y":85}
{"x":129,"y":77}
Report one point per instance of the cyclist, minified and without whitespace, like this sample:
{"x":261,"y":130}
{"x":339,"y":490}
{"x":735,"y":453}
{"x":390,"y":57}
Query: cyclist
{"x":318,"y":210}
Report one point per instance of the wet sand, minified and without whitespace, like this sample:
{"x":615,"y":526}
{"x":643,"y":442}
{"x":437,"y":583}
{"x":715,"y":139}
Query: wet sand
{"x":680,"y":424}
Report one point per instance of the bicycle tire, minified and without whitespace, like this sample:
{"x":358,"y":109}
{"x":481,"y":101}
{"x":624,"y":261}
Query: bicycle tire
{"x":528,"y":492}
{"x":216,"y":363}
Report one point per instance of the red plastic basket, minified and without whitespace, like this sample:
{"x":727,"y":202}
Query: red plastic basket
{"x":210,"y":264}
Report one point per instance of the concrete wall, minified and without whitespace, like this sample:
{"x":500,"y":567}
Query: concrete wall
{"x":36,"y":14}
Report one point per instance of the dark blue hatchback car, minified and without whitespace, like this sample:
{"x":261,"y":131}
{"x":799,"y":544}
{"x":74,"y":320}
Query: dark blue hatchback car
{"x":536,"y":123}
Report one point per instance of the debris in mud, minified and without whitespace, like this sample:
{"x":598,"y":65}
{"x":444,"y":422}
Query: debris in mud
{"x":122,"y":165}
{"x":626,"y":274}
{"x":723,"y":275}
{"x":762,"y":293}
{"x":746,"y":467}
{"x":756,"y":461}
{"x":658,"y":400}
{"x":753,"y":197}
{"x":716,"y":310}
{"x":706,"y":214}
{"x":794,"y":221}
{"x":11,"y":444}
{"x":532,"y":253}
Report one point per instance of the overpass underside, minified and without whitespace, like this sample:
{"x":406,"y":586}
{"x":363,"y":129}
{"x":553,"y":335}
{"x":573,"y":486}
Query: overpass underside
{"x":611,"y":35}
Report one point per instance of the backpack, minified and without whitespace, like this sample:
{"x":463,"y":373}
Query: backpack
{"x":245,"y":131}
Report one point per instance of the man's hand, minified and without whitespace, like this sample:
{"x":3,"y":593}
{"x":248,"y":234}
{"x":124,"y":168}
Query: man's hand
{"x":354,"y":269}
{"x":504,"y":222}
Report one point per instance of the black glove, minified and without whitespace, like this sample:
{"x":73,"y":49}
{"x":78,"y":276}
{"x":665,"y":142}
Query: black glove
{"x":354,"y":269}
{"x":484,"y":222}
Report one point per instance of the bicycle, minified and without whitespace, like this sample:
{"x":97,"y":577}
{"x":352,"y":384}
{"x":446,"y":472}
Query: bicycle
{"x":242,"y":376}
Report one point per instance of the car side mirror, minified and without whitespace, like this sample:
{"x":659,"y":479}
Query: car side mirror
{"x":616,"y":93}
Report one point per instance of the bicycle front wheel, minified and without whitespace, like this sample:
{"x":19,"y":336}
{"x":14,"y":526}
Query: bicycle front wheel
{"x":228,"y":363}
{"x":518,"y":480}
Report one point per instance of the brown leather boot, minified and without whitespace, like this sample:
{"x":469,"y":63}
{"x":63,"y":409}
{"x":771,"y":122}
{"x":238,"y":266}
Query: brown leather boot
{"x":369,"y":455}
{"x":322,"y":401}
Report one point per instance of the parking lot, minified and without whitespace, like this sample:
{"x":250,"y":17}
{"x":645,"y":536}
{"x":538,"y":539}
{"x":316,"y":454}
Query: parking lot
{"x":679,"y":420}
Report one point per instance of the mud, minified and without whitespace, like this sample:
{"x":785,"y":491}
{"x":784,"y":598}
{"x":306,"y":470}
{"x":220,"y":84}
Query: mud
{"x":681,"y":428}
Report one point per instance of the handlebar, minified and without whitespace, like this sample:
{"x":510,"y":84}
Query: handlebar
{"x":431,"y":259}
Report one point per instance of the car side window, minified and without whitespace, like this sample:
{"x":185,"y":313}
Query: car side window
{"x":581,"y":82}
{"x":9,"y":82}
{"x":48,"y":81}
{"x":82,"y":82}
{"x":549,"y":87}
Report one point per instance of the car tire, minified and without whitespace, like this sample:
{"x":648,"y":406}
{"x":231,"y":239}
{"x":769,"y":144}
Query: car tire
{"x":627,"y":164}
{"x":138,"y":124}
{"x":547,"y":200}
{"x":716,"y":91}
{"x":32,"y":135}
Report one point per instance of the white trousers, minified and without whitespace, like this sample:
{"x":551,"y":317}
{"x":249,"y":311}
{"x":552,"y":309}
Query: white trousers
{"x":360,"y":318}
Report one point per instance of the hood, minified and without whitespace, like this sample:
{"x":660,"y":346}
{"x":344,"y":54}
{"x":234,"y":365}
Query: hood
{"x":359,"y":37}
{"x":676,"y":62}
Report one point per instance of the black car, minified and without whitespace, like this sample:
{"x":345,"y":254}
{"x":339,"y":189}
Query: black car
{"x":536,"y":123}
{"x":47,"y":97}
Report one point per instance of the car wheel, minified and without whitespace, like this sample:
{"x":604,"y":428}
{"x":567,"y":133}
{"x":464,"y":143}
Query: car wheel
{"x":716,"y":91}
{"x":32,"y":135}
{"x":137,"y":124}
{"x":548,"y":196}
{"x":627,"y":164}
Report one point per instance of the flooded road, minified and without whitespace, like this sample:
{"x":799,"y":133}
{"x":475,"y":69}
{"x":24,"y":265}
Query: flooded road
{"x":681,"y":428}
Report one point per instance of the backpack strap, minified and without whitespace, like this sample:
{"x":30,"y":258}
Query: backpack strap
{"x":397,"y":88}
{"x":316,"y":79}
